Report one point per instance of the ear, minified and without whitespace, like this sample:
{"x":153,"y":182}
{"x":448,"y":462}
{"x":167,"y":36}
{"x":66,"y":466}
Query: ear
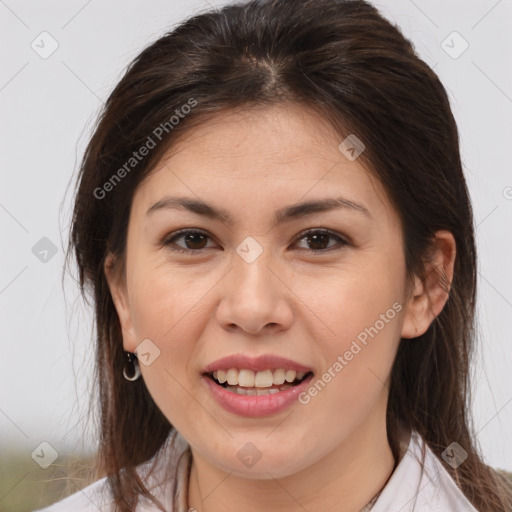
{"x":429,"y":295}
{"x":118,"y":291}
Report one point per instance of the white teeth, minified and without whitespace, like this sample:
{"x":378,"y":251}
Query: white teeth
{"x":279,"y":376}
{"x":246,"y":378}
{"x":249,"y":379}
{"x":232,"y":377}
{"x":290,"y":375}
{"x":263,"y":379}
{"x":257,"y":392}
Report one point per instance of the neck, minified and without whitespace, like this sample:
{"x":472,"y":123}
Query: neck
{"x":345,"y":480}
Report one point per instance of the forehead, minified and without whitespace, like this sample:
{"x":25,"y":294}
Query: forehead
{"x":282,"y":153}
{"x":264,"y":137}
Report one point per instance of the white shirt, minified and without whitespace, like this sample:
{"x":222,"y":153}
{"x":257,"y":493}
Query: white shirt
{"x":406,"y":491}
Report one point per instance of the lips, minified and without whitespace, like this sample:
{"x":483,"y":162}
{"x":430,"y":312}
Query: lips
{"x":256,"y":386}
{"x":258,"y":364}
{"x":256,"y":402}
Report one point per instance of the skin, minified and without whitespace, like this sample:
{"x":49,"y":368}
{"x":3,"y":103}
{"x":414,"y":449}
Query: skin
{"x":307,"y":306}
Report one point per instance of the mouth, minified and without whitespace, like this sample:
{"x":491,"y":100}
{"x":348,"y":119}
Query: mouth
{"x":250,"y":383}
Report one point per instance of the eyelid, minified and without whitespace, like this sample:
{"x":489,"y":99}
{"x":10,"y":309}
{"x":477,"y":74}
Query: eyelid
{"x":167,"y":240}
{"x":342,"y":240}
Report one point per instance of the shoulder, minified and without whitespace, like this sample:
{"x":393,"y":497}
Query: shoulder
{"x":159,"y":474}
{"x":92,"y":498}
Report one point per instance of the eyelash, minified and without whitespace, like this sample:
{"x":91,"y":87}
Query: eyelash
{"x":169,"y":241}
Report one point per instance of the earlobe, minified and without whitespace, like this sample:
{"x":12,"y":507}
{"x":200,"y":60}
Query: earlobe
{"x":429,"y":295}
{"x":118,"y":291}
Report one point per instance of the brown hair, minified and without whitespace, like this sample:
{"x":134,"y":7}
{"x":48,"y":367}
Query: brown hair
{"x":356,"y":69}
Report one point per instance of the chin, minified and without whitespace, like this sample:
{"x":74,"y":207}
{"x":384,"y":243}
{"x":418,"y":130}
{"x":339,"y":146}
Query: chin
{"x":247,"y":461}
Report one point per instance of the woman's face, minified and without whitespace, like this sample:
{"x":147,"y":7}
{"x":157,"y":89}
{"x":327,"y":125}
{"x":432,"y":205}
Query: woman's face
{"x":261,"y":287}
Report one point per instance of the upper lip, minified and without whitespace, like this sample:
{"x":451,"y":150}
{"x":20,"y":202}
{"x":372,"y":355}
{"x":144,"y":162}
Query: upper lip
{"x":256,"y":364}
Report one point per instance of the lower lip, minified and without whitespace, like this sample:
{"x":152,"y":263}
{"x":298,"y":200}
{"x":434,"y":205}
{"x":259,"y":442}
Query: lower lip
{"x":255,"y":406}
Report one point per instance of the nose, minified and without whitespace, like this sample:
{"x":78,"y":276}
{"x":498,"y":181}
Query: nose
{"x":255,"y":297}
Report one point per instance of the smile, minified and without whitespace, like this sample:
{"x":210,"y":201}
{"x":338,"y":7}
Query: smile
{"x":247,"y":393}
{"x":262,"y":379}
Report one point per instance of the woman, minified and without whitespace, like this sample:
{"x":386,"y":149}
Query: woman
{"x":274,"y":223}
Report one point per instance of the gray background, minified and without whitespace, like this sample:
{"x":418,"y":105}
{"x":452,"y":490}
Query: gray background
{"x":48,"y":107}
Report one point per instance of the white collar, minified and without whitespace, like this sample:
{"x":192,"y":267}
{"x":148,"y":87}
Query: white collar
{"x":408,"y":490}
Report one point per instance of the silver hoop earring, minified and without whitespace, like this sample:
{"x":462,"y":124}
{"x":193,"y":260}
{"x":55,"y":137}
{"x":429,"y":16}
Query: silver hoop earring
{"x":135,"y":370}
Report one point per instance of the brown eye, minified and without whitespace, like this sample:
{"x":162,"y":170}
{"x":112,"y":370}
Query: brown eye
{"x":194,"y":241}
{"x":318,"y":240}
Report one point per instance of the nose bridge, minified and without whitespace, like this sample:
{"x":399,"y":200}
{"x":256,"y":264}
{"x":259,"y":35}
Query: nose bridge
{"x":253,"y":296}
{"x":251,"y":274}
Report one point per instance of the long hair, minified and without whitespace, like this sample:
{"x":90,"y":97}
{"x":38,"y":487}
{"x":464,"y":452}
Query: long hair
{"x":356,"y":69}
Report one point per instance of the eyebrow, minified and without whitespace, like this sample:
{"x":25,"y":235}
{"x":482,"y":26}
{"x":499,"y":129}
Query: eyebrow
{"x":286,"y":214}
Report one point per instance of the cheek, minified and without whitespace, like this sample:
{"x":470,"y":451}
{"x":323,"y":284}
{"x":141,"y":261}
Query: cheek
{"x":169,"y":309}
{"x":353,"y":298}
{"x":166,"y":300}
{"x":358,"y":318}
{"x":357,"y":356}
